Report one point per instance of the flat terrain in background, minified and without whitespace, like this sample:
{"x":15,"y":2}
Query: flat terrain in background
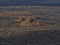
{"x":11,"y":33}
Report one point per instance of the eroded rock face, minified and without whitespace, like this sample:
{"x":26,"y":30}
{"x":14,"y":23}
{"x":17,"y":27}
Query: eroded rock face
{"x":28,"y":21}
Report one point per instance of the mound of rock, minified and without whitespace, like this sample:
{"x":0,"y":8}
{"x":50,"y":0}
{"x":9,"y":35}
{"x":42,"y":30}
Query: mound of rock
{"x":28,"y":21}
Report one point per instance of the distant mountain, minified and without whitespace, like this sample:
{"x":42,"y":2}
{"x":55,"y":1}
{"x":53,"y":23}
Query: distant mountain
{"x":29,"y":2}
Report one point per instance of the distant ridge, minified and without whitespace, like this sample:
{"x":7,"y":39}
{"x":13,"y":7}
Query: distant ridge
{"x":32,"y":4}
{"x":29,"y":2}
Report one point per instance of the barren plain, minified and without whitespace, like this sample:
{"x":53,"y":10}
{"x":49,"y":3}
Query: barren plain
{"x":11,"y":33}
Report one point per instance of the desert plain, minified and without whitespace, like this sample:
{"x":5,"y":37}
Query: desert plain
{"x":43,"y":27}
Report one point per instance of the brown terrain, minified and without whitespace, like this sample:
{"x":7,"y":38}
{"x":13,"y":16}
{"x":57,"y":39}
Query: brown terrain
{"x":29,"y":25}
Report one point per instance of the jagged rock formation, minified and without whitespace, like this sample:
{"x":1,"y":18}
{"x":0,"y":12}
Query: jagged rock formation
{"x":28,"y":21}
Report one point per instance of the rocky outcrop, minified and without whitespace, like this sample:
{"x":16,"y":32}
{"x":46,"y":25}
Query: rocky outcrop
{"x":28,"y":21}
